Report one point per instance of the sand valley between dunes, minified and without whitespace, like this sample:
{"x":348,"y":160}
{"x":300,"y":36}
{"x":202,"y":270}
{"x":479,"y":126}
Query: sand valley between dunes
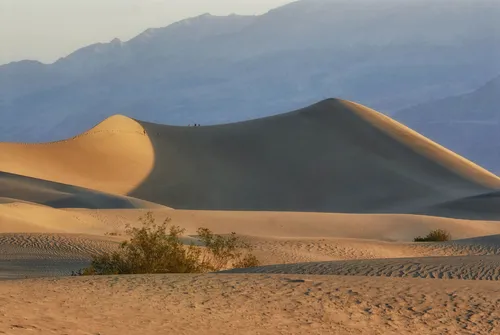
{"x":329,"y":196}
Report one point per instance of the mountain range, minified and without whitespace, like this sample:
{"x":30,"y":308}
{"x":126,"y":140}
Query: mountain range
{"x":388,"y":55}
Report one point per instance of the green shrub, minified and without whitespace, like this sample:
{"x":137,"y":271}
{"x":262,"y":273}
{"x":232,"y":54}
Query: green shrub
{"x":158,"y":248}
{"x":438,"y":235}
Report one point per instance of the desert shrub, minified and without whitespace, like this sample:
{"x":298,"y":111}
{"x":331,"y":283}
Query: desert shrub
{"x":247,"y":261}
{"x":225,"y":251}
{"x":437,"y":235}
{"x":158,"y":248}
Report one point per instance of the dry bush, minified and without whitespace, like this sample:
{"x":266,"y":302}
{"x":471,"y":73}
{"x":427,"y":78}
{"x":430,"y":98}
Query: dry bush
{"x":158,"y":248}
{"x":225,"y":251}
{"x":437,"y":235}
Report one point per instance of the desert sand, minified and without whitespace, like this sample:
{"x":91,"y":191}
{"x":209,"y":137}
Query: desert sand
{"x":470,"y":268}
{"x":249,"y":304}
{"x":330,"y":197}
{"x":62,"y":236}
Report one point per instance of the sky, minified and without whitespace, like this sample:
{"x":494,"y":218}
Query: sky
{"x":46,"y":30}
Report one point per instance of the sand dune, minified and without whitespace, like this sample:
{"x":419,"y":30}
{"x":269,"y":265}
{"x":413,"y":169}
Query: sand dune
{"x":113,"y":157}
{"x":58,"y":235}
{"x":352,"y":159}
{"x":469,"y":268}
{"x":16,"y":188}
{"x":475,"y":207}
{"x":46,"y":246}
{"x":382,"y":227}
{"x":59,"y":254}
{"x":289,"y":250}
{"x":39,"y":255}
{"x":332,"y":189}
{"x":249,"y":304}
{"x":332,"y":156}
{"x":335,"y":156}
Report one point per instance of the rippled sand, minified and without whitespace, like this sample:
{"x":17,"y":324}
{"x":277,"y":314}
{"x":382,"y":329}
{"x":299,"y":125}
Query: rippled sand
{"x":249,"y":304}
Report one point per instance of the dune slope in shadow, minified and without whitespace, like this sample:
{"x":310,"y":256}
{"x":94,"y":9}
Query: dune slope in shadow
{"x":334,"y":156}
{"x":19,"y":189}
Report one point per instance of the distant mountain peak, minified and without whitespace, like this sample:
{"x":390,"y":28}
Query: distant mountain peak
{"x":116,"y":41}
{"x":197,"y":26}
{"x":194,"y":19}
{"x":22,"y":64}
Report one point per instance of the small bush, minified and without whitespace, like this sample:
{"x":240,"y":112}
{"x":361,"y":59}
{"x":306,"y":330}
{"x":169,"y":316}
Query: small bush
{"x":225,"y":251}
{"x":158,"y":248}
{"x":438,"y":235}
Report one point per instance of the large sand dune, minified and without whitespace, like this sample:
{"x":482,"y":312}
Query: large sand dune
{"x":335,"y":156}
{"x":333,"y":189}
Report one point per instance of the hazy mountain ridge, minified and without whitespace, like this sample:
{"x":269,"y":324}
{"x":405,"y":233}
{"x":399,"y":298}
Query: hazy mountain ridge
{"x":468,"y":124}
{"x":212,"y":69}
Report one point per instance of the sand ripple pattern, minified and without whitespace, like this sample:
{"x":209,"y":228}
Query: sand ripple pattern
{"x":468,"y":268}
{"x":51,"y":246}
{"x":281,"y":251}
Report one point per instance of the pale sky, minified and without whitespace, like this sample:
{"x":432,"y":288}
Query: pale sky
{"x":46,"y":30}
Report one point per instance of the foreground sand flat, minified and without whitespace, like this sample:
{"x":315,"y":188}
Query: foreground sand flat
{"x":248,"y":304}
